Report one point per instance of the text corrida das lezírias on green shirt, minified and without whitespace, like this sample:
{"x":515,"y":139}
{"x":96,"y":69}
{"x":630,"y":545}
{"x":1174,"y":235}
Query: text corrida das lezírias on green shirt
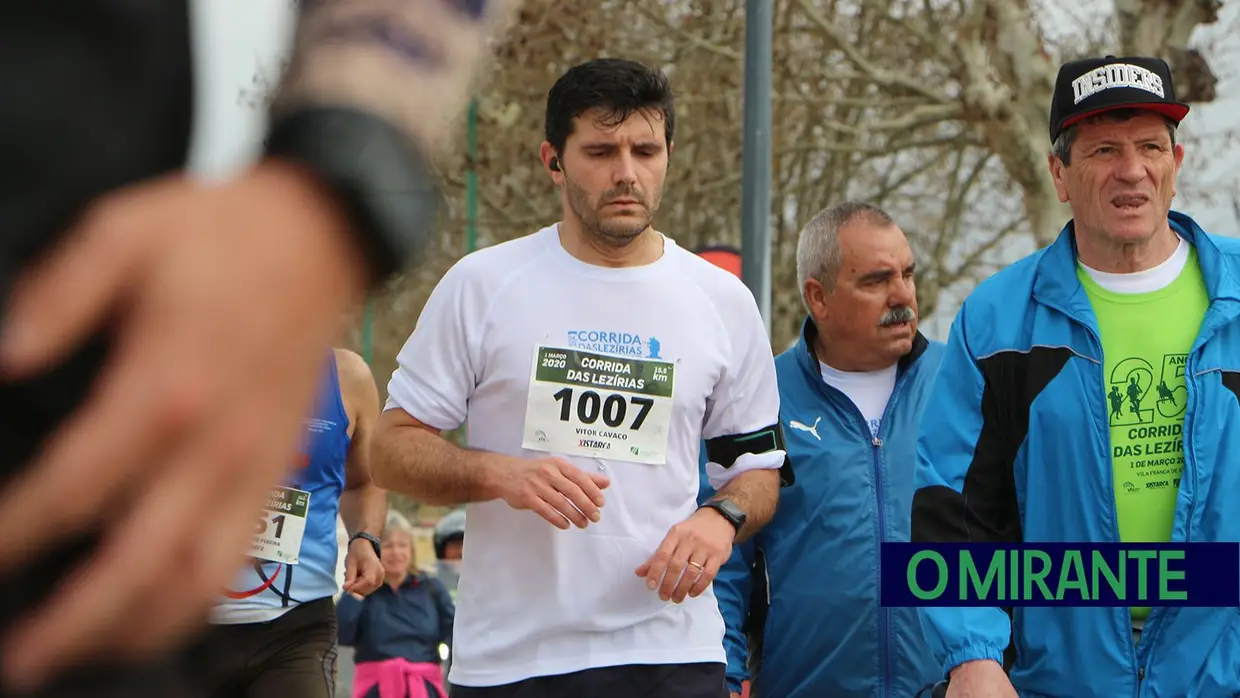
{"x":1064,"y":574}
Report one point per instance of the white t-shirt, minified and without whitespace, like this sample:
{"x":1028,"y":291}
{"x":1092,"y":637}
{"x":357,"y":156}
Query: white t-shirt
{"x":534,"y":600}
{"x":1147,"y":281}
{"x":868,"y":390}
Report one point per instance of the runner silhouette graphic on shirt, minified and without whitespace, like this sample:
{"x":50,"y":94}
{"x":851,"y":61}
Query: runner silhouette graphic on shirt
{"x":1117,"y":402}
{"x":1134,"y":395}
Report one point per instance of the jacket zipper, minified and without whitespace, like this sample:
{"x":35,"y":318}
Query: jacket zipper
{"x":884,"y":614}
{"x":876,"y":443}
{"x":1110,"y":485}
{"x":1190,"y":468}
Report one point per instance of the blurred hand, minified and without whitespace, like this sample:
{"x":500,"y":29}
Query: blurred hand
{"x":690,"y":556}
{"x":363,"y":572}
{"x":556,"y":490}
{"x":224,"y":301}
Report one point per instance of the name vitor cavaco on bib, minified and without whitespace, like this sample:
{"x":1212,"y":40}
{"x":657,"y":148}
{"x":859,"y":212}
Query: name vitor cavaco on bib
{"x":583,"y":403}
{"x":281,"y":526}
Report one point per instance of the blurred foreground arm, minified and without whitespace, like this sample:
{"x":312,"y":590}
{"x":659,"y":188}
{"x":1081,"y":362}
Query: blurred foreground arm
{"x":391,"y":58}
{"x":369,"y":96}
{"x":219,"y":301}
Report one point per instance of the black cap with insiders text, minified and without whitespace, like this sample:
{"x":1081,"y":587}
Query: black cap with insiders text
{"x":1095,"y":85}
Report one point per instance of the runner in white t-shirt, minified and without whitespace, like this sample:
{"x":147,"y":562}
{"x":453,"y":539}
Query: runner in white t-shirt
{"x":590,"y":360}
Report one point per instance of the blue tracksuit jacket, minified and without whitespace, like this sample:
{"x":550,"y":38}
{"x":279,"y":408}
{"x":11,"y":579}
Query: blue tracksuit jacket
{"x":823,"y":633}
{"x":1015,"y":446}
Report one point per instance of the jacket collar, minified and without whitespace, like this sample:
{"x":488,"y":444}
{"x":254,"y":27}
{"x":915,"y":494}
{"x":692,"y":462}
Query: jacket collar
{"x":1056,"y":281}
{"x":809,"y":360}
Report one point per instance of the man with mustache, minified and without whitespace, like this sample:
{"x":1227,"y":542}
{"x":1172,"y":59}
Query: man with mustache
{"x":851,"y":393}
{"x":1089,"y":394}
{"x":590,"y":359}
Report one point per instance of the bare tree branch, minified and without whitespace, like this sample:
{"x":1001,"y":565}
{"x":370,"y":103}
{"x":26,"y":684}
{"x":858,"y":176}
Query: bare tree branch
{"x":934,"y":109}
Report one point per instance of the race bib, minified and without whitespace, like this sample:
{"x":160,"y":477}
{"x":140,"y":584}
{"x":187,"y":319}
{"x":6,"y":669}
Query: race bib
{"x":594,"y":405}
{"x":279,"y":530}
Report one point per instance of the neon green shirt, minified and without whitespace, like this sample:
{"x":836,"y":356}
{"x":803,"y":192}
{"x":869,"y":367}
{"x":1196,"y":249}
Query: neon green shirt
{"x":1146,"y":338}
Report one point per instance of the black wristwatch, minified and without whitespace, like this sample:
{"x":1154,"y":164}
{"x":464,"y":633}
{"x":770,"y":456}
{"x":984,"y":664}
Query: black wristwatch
{"x":385,"y":184}
{"x":728,"y":510}
{"x":371,"y":538}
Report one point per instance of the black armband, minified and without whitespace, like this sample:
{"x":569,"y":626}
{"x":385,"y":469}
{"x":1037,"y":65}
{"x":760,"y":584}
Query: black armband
{"x":724,"y":450}
{"x":385,"y":184}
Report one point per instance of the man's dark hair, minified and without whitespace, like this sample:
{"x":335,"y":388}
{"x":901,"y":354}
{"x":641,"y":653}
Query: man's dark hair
{"x":615,"y":86}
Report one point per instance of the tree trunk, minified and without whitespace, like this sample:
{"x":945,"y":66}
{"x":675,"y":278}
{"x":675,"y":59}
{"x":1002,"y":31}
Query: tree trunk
{"x":1007,"y":88}
{"x":1163,"y":28}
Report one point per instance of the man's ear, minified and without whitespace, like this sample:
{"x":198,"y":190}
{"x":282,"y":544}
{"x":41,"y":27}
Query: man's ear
{"x":815,"y":298}
{"x":1056,"y":167}
{"x":551,"y":162}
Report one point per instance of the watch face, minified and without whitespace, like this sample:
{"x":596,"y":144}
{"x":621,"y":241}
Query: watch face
{"x":734,"y":512}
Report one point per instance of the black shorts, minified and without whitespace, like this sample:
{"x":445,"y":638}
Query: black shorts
{"x":293,"y":656}
{"x":706,"y":680}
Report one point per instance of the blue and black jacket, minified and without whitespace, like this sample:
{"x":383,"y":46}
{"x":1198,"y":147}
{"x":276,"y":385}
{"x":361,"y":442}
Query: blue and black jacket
{"x":806,"y":587}
{"x":1015,"y":447}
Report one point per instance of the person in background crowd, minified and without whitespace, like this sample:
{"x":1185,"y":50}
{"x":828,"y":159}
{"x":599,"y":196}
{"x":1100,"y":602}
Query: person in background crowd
{"x":396,"y":632}
{"x":851,"y":396}
{"x":449,"y":541}
{"x":1091,"y":393}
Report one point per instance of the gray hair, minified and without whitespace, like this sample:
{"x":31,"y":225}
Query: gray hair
{"x":1062,"y":147}
{"x":818,"y":248}
{"x":397,"y":523}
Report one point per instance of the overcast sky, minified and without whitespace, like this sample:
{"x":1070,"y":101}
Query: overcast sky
{"x":234,"y":38}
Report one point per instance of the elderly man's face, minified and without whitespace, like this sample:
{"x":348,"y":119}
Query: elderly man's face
{"x":1121,"y":178}
{"x":869,"y":319}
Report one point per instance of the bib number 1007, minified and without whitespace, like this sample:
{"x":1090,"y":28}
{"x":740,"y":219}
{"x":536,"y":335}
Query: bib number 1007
{"x":613,"y":409}
{"x":594,"y":405}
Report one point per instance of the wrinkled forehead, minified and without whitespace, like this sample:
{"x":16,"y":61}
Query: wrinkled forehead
{"x":868,"y":246}
{"x":1144,"y":126}
{"x":600,"y":125}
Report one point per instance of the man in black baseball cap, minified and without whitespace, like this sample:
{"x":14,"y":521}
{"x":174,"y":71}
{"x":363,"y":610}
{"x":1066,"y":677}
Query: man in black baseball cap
{"x":1099,"y":347}
{"x":1096,"y":85}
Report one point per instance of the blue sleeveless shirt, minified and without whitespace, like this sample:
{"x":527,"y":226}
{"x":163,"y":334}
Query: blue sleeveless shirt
{"x":266,"y":590}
